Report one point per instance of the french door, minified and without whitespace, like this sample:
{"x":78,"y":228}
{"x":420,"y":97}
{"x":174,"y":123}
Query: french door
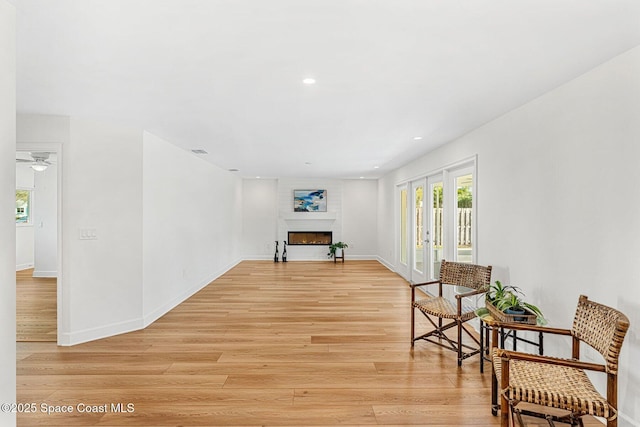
{"x":418,"y":255}
{"x":436,"y":221}
{"x":404,"y":255}
{"x":426,"y":222}
{"x":435,"y":231}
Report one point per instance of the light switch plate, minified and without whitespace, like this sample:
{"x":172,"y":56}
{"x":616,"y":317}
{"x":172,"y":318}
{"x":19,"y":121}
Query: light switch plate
{"x":88,"y":234}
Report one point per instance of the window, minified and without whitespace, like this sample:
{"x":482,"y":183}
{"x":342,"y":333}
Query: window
{"x":23,"y":207}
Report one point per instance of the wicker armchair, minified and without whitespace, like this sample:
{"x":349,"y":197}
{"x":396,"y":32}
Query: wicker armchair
{"x":563,"y":383}
{"x":472,"y":276}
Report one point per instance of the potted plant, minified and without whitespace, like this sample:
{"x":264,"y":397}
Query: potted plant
{"x":335,"y":249}
{"x":497,"y":291}
{"x":508,"y":299}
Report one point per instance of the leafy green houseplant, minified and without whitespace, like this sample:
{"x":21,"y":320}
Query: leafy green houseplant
{"x":334,"y":247}
{"x":509,"y":300}
{"x":497,"y":291}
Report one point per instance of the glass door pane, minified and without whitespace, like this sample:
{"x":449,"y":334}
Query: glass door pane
{"x":418,"y":236}
{"x":404,"y":227}
{"x":464,"y":246}
{"x":435,"y":231}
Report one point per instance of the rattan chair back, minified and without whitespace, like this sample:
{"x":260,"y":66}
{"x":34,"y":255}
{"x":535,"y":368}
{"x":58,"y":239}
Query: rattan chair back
{"x":467,"y":275}
{"x":603,"y":328}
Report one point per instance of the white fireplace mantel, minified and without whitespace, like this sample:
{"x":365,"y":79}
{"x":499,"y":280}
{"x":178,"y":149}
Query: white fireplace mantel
{"x":308,"y":216}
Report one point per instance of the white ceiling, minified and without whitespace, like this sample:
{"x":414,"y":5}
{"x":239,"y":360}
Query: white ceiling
{"x":226,"y":75}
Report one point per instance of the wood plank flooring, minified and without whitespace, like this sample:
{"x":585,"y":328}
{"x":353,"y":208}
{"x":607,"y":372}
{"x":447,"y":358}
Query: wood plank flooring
{"x":295,"y":344}
{"x":36,"y":307}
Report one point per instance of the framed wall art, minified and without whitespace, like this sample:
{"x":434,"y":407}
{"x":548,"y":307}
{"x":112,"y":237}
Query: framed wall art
{"x":310,"y":200}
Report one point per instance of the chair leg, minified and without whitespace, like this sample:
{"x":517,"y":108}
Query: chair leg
{"x":413,"y":324}
{"x":459,"y":322}
{"x":413,"y":315}
{"x":549,"y":419}
{"x":504,"y":412}
{"x":504,"y":403}
{"x":494,"y":378}
{"x":494,"y":392}
{"x":516,"y":411}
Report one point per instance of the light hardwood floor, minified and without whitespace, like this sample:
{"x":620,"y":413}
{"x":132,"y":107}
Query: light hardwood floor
{"x":301,"y":343}
{"x":36,"y":307}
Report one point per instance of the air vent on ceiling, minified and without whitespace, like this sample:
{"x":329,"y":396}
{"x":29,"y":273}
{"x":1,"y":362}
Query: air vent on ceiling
{"x":199,"y":151}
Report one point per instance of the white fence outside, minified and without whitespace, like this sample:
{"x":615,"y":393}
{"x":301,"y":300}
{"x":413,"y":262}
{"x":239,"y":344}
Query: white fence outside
{"x":463,"y":231}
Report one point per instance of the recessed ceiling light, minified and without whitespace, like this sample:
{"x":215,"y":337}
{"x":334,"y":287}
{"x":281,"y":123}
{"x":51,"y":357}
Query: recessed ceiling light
{"x":362,"y":177}
{"x":309,"y":81}
{"x":417,"y":138}
{"x":376,"y":167}
{"x":257,"y":177}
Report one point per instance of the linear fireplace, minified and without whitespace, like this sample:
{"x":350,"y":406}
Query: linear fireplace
{"x":310,"y":238}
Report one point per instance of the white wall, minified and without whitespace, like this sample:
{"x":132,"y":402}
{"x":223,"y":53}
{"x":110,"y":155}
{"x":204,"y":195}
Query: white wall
{"x":556,"y":198}
{"x":133,"y":273}
{"x":359,"y":218}
{"x":102,"y":183}
{"x":43,"y":129}
{"x":25,"y":178}
{"x":192,"y":217}
{"x":101,"y":190}
{"x":45,"y":223}
{"x":24,"y":247}
{"x":7,"y":206}
{"x":352,"y":207}
{"x":259,"y":218}
{"x":288,"y":220}
{"x":386,"y":236}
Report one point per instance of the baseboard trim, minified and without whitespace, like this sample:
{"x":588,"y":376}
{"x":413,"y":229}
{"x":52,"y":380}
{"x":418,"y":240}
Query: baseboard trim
{"x":92,"y":334}
{"x":386,"y":263}
{"x":325,"y":258}
{"x":349,"y":256}
{"x":48,"y":274}
{"x":258,"y":258}
{"x":20,"y":267}
{"x":165,"y":308}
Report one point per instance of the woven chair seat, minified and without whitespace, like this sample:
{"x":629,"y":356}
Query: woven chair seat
{"x":553,"y":385}
{"x":452,"y":274}
{"x":442,"y":307}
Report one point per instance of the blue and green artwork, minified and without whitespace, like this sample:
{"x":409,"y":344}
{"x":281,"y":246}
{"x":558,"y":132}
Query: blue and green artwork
{"x":310,"y":200}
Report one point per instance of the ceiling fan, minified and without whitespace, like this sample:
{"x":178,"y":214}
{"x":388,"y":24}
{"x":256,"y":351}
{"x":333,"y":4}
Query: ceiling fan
{"x":39,"y":161}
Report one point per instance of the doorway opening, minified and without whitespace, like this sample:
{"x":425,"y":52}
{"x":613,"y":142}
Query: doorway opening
{"x":38,"y":242}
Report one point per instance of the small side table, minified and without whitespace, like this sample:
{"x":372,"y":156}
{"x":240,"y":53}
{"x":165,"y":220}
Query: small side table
{"x":336,"y":257}
{"x":500,"y":333}
{"x":504,"y":333}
